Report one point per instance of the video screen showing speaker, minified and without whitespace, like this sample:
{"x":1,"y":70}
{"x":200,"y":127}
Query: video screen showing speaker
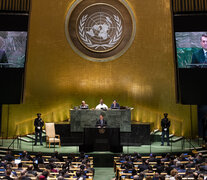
{"x":12,"y":49}
{"x":190,"y":44}
{"x":191,"y":49}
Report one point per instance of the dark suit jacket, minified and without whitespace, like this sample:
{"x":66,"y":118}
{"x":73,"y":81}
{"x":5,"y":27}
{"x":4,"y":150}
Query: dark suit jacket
{"x":165,"y":123}
{"x":3,"y":57}
{"x":38,"y":123}
{"x":198,"y":57}
{"x":117,"y":106}
{"x":98,"y":123}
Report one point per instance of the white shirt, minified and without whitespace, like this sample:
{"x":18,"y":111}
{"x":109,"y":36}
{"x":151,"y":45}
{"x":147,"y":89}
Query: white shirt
{"x":205,"y":52}
{"x":101,"y":106}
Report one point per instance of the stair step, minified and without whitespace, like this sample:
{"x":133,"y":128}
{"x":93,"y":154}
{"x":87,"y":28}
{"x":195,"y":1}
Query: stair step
{"x":31,"y":136}
{"x":3,"y":151}
{"x":158,"y":133}
{"x":175,"y":138}
{"x":197,"y":148}
{"x":171,"y":135}
{"x":154,"y":131}
{"x":202,"y":151}
{"x":25,"y":139}
{"x":4,"y":148}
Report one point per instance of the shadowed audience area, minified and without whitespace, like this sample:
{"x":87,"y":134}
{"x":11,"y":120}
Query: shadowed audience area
{"x":39,"y":166}
{"x":181,"y":166}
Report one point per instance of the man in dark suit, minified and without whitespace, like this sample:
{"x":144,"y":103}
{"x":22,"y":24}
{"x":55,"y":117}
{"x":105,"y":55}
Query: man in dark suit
{"x":165,"y":124}
{"x":3,"y":58}
{"x":115,"y":105}
{"x":38,"y":123}
{"x":200,"y":57}
{"x":101,"y":123}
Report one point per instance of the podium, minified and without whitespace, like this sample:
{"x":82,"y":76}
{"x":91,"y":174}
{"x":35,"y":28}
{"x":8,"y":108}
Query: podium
{"x":101,"y":139}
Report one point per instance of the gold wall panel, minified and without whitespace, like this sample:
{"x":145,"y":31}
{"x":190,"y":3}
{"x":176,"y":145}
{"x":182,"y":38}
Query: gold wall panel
{"x":15,"y":5}
{"x":57,"y":79}
{"x":179,"y":6}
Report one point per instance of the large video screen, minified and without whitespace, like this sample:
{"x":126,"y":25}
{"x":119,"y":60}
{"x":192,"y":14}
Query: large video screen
{"x":191,"y":66}
{"x":12,"y":49}
{"x":191,"y":49}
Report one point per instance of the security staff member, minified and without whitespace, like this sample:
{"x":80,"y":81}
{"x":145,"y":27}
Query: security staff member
{"x":38,"y":123}
{"x":165,"y":123}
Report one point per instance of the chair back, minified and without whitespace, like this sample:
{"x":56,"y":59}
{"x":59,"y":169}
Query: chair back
{"x":50,"y":129}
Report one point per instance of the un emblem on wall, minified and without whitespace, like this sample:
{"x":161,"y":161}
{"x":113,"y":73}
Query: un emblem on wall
{"x":100,"y":31}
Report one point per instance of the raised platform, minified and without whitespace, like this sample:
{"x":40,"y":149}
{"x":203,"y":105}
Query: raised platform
{"x":139,"y":135}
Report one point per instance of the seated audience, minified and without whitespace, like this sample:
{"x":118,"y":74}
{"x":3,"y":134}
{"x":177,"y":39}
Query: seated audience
{"x":8,"y":173}
{"x":8,"y":156}
{"x":170,"y":167}
{"x":26,"y":157}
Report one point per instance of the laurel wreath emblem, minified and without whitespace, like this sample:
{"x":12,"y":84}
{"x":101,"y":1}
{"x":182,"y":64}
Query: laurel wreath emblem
{"x":89,"y":43}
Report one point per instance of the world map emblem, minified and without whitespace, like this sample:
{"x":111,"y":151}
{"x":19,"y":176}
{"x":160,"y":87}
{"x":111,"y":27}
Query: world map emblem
{"x":100,"y":31}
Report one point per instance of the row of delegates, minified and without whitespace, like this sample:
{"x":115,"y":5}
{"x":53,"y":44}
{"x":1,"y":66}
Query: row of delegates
{"x":101,"y":105}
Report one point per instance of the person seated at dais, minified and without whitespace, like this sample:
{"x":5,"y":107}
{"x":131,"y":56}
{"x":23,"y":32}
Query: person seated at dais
{"x":83,"y":105}
{"x":115,"y":105}
{"x":101,"y":105}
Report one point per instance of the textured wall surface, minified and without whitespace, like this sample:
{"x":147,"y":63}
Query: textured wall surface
{"x":57,"y":79}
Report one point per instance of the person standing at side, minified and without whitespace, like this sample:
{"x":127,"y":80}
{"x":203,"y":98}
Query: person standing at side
{"x":3,"y":56}
{"x":3,"y":59}
{"x":165,"y":124}
{"x":38,"y":123}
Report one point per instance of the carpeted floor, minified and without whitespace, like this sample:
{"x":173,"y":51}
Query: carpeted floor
{"x":104,"y":173}
{"x":146,"y":149}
